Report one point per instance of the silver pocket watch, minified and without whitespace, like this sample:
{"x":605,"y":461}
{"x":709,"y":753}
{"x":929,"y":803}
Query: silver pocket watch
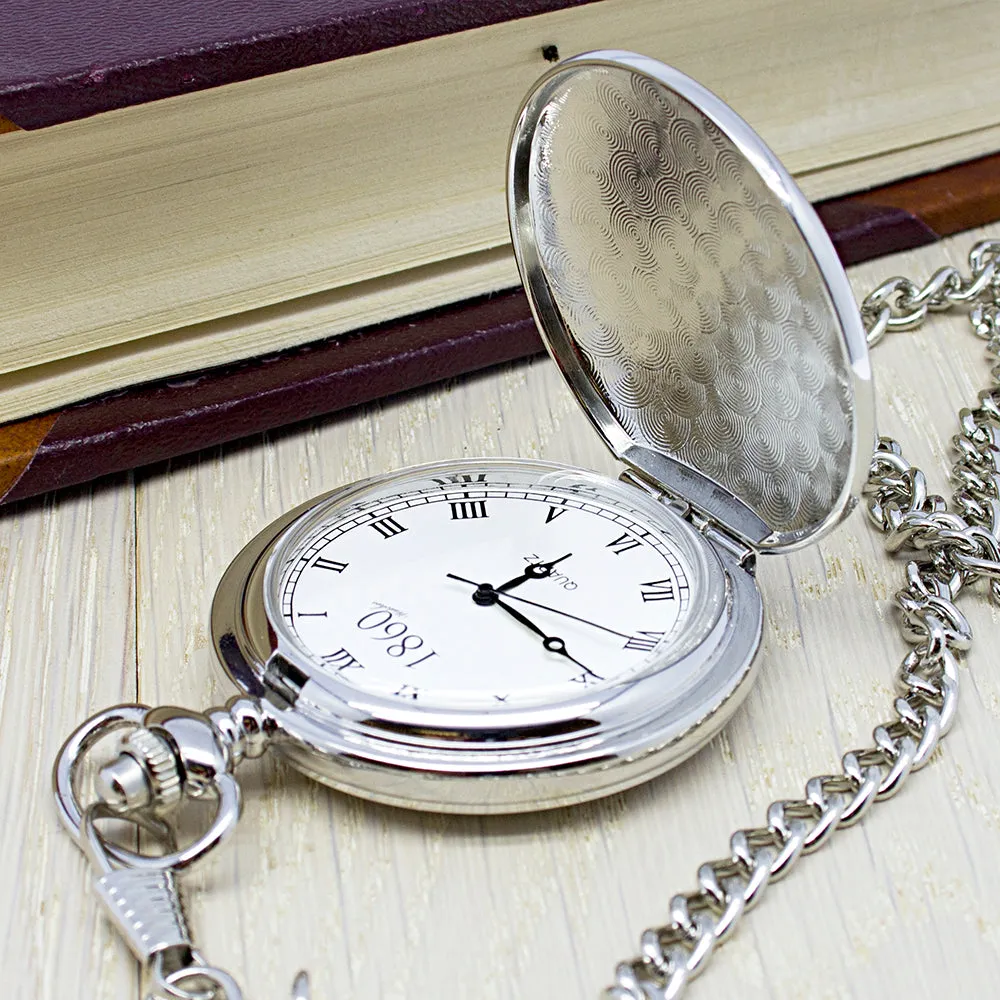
{"x":491,"y":636}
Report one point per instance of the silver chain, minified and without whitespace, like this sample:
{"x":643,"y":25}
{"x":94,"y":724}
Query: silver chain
{"x":947,"y":550}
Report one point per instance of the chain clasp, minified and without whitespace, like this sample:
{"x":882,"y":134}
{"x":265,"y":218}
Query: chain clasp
{"x":169,"y":754}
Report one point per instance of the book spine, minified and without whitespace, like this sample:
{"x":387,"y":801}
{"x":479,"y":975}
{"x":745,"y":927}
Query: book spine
{"x":162,"y":420}
{"x":209,"y":45}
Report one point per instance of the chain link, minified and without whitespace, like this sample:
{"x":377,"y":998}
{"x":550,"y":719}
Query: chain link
{"x":947,"y":550}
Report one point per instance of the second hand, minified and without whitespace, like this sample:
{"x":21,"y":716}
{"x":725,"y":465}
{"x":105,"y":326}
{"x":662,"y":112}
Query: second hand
{"x":545,"y":607}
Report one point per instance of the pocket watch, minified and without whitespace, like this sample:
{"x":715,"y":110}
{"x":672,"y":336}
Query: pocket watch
{"x":490,"y":636}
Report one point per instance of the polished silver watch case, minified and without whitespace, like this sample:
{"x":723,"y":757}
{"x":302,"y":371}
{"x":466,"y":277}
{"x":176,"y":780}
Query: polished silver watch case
{"x":698,"y":311}
{"x":502,"y":760}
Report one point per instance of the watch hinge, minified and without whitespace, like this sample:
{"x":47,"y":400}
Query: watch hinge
{"x":741,"y":551}
{"x":744,"y":554}
{"x":676,"y":504}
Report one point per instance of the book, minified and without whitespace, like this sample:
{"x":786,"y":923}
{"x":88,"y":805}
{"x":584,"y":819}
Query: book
{"x":79,"y":59}
{"x":149,"y":423}
{"x":268,"y":175}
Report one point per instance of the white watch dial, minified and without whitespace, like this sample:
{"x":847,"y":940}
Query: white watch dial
{"x":491,"y":588}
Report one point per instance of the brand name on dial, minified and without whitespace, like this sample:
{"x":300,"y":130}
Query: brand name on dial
{"x":559,"y":579}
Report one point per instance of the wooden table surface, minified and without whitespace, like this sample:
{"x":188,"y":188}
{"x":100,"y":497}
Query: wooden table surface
{"x":108,"y":591}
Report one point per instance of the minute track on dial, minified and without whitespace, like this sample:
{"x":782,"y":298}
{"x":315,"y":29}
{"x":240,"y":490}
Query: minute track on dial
{"x":396,"y":581}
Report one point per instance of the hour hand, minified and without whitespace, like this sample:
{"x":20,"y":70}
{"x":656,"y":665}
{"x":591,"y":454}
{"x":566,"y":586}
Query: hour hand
{"x":533,"y":571}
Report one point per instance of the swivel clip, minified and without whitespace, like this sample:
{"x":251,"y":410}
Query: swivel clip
{"x":168,"y":755}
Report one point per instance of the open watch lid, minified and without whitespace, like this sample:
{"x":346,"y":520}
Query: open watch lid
{"x":691,"y":297}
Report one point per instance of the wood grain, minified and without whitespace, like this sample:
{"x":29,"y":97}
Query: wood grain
{"x":111,"y":588}
{"x":67,"y":573}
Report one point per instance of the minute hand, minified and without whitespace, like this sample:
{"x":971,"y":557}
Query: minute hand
{"x":553,"y":643}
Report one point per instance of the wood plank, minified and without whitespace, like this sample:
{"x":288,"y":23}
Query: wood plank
{"x":67,"y":580}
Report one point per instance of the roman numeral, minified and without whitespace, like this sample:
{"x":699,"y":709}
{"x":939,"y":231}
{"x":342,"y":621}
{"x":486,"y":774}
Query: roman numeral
{"x":331,"y":564}
{"x":408,"y":691}
{"x":460,"y":477}
{"x":553,"y":513}
{"x":585,"y":679}
{"x":388,"y":527}
{"x":644,"y":641}
{"x":657,"y":590}
{"x":342,"y":660}
{"x":464,"y":509}
{"x":622,"y":544}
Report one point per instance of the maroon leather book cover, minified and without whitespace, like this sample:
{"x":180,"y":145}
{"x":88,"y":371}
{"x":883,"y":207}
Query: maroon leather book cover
{"x":65,"y":59}
{"x":160,"y":420}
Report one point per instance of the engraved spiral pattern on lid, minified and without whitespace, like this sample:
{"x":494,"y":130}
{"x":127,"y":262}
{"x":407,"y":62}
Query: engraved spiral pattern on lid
{"x":691,"y":296}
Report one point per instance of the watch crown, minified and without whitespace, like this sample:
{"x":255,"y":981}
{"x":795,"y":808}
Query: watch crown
{"x":145,"y":773}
